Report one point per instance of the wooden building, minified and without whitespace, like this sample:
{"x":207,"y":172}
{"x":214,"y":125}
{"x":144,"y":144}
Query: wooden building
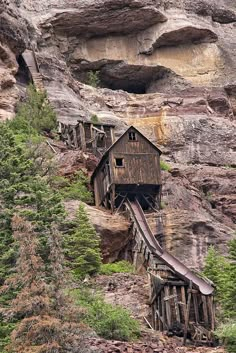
{"x":88,"y":136}
{"x":129,"y":168}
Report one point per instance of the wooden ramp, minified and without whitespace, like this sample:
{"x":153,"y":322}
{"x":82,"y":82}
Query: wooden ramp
{"x":181,"y":301}
{"x":31,"y":62}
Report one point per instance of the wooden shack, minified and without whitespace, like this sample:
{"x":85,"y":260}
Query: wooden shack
{"x":94,"y":137}
{"x":129,"y":168}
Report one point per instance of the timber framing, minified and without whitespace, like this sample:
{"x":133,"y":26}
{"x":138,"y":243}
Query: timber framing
{"x":87,"y":136}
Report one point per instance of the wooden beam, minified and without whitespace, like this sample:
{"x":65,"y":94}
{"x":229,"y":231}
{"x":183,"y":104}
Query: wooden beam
{"x":176,"y":304}
{"x":211,"y":311}
{"x":148,"y":323}
{"x":183,"y":299}
{"x":160,"y":319}
{"x":170,"y":297}
{"x":82,"y":137}
{"x":163,"y":309}
{"x":75,"y":138}
{"x":167,"y":304}
{"x":195,"y":304}
{"x":187,"y":314}
{"x":205,"y":313}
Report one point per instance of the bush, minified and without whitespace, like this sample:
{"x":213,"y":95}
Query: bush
{"x":34,"y":116}
{"x":227,"y":333}
{"x":117,"y":267}
{"x":165,"y":166}
{"x":6,"y":329}
{"x":75,"y":189}
{"x":109,"y":321}
{"x":93,"y":79}
{"x":94,"y":119}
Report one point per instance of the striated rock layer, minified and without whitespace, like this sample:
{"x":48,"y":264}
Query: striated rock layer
{"x":168,"y":68}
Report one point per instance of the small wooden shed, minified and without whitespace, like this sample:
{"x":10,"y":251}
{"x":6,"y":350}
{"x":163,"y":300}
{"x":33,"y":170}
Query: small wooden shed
{"x":129,"y":168}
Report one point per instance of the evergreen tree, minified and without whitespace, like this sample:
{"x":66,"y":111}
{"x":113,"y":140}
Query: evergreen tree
{"x":35,"y":115}
{"x":83,"y":247}
{"x":217,"y":270}
{"x":45,"y":322}
{"x":230,"y":290}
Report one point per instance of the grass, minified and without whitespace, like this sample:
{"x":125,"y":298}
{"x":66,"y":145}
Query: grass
{"x":117,"y":267}
{"x":109,"y":321}
{"x":165,"y":166}
{"x":74,"y":189}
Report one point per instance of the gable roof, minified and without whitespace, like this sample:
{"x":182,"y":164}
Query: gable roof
{"x":112,"y":146}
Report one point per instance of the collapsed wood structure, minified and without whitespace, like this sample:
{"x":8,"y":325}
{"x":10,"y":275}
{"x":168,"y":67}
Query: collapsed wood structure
{"x":88,"y":136}
{"x":128,"y":178}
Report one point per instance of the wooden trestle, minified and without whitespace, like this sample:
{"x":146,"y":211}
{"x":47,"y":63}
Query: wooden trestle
{"x":181,"y":302}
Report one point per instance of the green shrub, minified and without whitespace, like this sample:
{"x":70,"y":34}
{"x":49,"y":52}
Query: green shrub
{"x":6,"y":329}
{"x":227,"y":333}
{"x":162,"y":205}
{"x":117,"y":267}
{"x":109,"y":321}
{"x":165,"y":166}
{"x":75,"y":189}
{"x":34,"y":116}
{"x":82,"y":247}
{"x":94,"y":119}
{"x":93,"y":79}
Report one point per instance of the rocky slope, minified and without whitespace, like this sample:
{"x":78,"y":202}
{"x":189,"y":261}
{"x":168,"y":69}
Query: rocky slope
{"x":166,"y":67}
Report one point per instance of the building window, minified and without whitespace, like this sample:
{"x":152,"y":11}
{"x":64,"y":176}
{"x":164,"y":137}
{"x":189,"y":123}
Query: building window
{"x":132,"y":136}
{"x":119,"y":162}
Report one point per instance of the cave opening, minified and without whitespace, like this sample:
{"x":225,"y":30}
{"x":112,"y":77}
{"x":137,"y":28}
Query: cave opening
{"x":23,"y":75}
{"x":136,"y":79}
{"x":127,"y":86}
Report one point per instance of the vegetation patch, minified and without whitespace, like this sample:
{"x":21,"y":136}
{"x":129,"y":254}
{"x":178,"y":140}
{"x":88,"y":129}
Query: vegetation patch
{"x":227,"y":333}
{"x":93,"y":79}
{"x":222,"y":271}
{"x":109,"y":321}
{"x":117,"y":267}
{"x":165,"y":166}
{"x":34,"y":116}
{"x":74,"y":189}
{"x":82,"y":247}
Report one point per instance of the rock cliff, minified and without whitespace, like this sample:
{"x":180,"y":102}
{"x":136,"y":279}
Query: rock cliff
{"x":168,"y":68}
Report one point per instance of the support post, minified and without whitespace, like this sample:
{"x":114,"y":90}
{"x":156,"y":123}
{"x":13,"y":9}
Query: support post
{"x":205,"y":313}
{"x":168,"y":310}
{"x":75,"y":138}
{"x":195,"y":304}
{"x":82,"y":137}
{"x":176,"y":304}
{"x":187,"y":313}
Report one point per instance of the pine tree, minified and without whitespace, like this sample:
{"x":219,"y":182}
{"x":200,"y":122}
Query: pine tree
{"x":23,"y":189}
{"x":35,"y":115}
{"x":83,"y":247}
{"x":46,"y":324}
{"x":230,"y":288}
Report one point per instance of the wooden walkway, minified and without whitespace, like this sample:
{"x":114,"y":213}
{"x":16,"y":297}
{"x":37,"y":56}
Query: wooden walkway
{"x":31,"y":62}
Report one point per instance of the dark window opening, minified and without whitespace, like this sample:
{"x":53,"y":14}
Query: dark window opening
{"x":132,"y":136}
{"x":119,"y":162}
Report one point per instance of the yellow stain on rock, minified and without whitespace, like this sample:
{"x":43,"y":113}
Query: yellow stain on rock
{"x":156,"y":123}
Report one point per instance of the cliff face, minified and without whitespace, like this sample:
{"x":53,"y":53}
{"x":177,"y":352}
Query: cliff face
{"x":13,"y":40}
{"x":166,"y":67}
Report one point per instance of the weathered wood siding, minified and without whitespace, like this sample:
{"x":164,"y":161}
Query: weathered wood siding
{"x":141,"y":162}
{"x":101,"y":184}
